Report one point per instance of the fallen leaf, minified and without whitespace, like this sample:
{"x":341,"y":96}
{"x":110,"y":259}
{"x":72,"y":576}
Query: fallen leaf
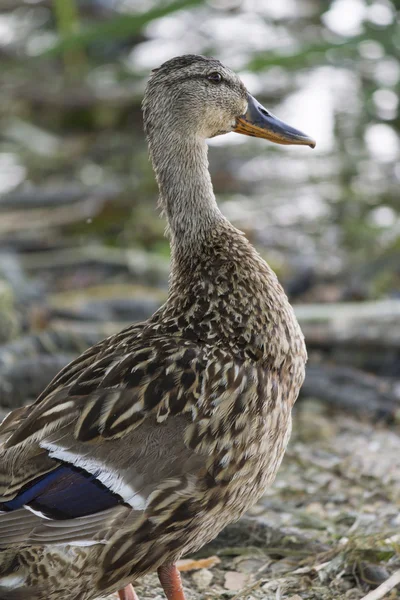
{"x":235,"y":581}
{"x":189,"y":564}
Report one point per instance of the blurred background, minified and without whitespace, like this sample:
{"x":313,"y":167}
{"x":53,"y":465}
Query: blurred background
{"x":83,"y":252}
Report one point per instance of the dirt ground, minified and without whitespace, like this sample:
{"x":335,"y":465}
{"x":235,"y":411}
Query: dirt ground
{"x":327,"y":529}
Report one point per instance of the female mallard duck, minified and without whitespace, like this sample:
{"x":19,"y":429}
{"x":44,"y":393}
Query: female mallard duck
{"x":147,"y":445}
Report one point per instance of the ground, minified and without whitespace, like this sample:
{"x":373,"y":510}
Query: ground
{"x":328,"y":528}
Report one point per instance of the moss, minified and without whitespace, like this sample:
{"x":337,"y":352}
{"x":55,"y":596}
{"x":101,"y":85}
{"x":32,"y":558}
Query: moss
{"x":9,"y":321}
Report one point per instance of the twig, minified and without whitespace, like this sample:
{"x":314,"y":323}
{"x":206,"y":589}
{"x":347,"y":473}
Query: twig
{"x":243,"y":592}
{"x":384,"y":588}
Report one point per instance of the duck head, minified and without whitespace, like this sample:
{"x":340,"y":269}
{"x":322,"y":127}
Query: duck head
{"x":197,"y":96}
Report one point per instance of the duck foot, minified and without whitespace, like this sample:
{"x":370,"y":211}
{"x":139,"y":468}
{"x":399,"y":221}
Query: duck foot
{"x":171,"y":582}
{"x":128,"y":593}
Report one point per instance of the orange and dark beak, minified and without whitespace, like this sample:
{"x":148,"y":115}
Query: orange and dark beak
{"x":259,"y":122}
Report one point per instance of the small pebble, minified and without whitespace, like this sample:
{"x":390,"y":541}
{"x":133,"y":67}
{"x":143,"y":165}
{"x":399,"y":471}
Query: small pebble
{"x":202,"y":578}
{"x":372,"y":574}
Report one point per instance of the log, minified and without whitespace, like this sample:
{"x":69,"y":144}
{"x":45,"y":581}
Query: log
{"x":49,"y":343}
{"x":147,"y":268}
{"x":353,"y":390}
{"x":371,"y":324}
{"x":342,"y":386}
{"x":23,"y":381}
{"x":54,"y":196}
{"x":42,"y":218}
{"x":365,"y":335}
{"x":28,"y":364}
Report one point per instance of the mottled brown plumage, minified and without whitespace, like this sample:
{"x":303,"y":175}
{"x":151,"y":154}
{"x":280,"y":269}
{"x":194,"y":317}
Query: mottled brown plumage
{"x":183,"y":420}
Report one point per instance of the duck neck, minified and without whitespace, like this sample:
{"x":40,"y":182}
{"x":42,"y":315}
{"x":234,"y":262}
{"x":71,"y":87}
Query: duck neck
{"x":186,"y":192}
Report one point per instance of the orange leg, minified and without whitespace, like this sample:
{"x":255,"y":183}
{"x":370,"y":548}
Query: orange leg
{"x":171,"y":582}
{"x":128,"y":593}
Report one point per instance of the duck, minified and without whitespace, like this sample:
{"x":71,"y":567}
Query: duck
{"x":146,"y":446}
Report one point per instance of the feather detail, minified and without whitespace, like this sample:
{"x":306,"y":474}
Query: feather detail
{"x":22,"y":527}
{"x":65,"y":492}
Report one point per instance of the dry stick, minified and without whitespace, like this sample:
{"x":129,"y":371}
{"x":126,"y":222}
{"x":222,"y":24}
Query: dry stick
{"x":247,"y":589}
{"x":384,"y":588}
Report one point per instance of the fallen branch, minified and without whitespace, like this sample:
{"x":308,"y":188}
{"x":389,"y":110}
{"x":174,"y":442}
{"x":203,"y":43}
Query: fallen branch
{"x":384,"y":588}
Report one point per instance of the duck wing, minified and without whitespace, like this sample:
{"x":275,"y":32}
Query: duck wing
{"x":117,"y":427}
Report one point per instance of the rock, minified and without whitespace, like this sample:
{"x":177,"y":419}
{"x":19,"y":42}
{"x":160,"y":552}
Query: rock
{"x":371,"y":574}
{"x":202,"y":579}
{"x":235,"y":581}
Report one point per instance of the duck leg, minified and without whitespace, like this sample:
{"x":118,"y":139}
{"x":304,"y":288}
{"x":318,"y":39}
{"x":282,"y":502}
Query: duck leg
{"x":171,"y":582}
{"x":128,"y":593}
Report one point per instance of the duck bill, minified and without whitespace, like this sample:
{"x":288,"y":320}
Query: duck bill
{"x":259,"y":122}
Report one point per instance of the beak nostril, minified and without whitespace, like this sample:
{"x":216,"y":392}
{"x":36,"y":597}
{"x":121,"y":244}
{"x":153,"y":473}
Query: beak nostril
{"x":264,"y":111}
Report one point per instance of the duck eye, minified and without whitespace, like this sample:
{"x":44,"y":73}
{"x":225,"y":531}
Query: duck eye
{"x":215,"y":77}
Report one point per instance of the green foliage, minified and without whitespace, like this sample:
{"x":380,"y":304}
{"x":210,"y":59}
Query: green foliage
{"x":119,"y":27}
{"x":308,"y":55}
{"x":66,"y":13}
{"x":67,"y":18}
{"x":334,"y":50}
